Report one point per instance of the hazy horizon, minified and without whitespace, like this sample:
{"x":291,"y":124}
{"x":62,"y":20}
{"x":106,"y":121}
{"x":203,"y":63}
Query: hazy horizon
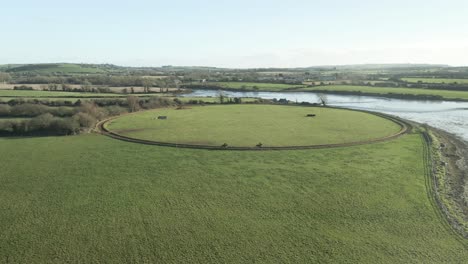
{"x":241,"y":34}
{"x":370,"y":65}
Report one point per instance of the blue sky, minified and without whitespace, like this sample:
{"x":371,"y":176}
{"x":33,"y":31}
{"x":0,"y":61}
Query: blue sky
{"x":235,"y":33}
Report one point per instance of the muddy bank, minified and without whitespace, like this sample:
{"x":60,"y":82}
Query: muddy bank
{"x":454,"y":154}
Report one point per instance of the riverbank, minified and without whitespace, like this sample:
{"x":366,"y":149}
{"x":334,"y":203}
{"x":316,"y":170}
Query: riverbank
{"x":451,"y":186}
{"x":420,"y":97}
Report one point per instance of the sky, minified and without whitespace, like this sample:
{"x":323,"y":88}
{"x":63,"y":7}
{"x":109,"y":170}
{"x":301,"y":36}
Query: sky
{"x":239,"y":34}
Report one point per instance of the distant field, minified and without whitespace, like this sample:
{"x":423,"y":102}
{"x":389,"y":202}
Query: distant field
{"x":35,"y":86}
{"x":435,"y":80}
{"x":155,"y":77}
{"x":260,"y":86}
{"x":247,"y":125}
{"x":88,"y":198}
{"x":384,"y":90}
{"x":34,"y":93}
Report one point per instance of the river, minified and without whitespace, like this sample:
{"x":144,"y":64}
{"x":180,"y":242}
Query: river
{"x":446,"y":115}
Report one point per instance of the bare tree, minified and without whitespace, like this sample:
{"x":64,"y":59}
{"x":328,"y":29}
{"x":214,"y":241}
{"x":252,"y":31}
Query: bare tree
{"x":221,"y":97}
{"x":133,"y":103}
{"x":4,"y":77}
{"x":323,"y":99}
{"x":147,"y":83}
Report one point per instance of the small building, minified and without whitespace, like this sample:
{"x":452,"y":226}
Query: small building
{"x":162,"y":117}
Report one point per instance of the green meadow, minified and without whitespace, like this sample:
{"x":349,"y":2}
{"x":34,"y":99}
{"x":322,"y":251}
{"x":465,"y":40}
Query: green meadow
{"x":435,"y":80}
{"x":248,"y":125}
{"x":259,"y":86}
{"x":90,"y":198}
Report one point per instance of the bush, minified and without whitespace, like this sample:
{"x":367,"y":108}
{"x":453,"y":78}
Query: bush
{"x":54,"y":120}
{"x":84,"y":119}
{"x":62,"y":111}
{"x":28,"y":110}
{"x":65,"y":126}
{"x":156,"y":101}
{"x":6,"y":127}
{"x":41,"y":123}
{"x":23,"y":87}
{"x":93,"y":110}
{"x":5,"y":110}
{"x":114,"y":110}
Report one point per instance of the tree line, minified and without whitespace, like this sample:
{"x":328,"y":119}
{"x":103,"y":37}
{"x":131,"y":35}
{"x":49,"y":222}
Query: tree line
{"x":98,"y":79}
{"x":40,"y":117}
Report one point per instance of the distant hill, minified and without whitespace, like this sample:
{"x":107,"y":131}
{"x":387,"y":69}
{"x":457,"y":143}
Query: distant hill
{"x":4,"y":67}
{"x":75,"y":68}
{"x":59,"y":68}
{"x":382,"y":66}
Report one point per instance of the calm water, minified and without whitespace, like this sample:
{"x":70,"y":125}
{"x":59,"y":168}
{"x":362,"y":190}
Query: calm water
{"x":449,"y":116}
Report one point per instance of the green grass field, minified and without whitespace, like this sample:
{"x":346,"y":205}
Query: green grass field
{"x":247,"y":125}
{"x":35,"y":93}
{"x":435,"y":80}
{"x":89,"y":198}
{"x":384,"y":90}
{"x":260,"y":86}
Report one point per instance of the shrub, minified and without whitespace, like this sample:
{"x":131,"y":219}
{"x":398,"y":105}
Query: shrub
{"x":156,"y":101}
{"x":65,"y":126}
{"x":62,"y":111}
{"x":93,"y":110}
{"x":6,"y":127}
{"x":5,"y":110}
{"x":23,"y":87}
{"x":84,"y":119}
{"x":114,"y":110}
{"x":29,"y":110}
{"x":41,"y":122}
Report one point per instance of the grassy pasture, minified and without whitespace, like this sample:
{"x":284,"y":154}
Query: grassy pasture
{"x":88,"y":198}
{"x":385,"y":90}
{"x":435,"y":80}
{"x":35,"y":86}
{"x":247,"y":125}
{"x":260,"y":86}
{"x":35,"y":93}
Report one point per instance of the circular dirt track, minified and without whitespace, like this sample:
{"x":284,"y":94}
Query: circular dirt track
{"x":353,"y":127}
